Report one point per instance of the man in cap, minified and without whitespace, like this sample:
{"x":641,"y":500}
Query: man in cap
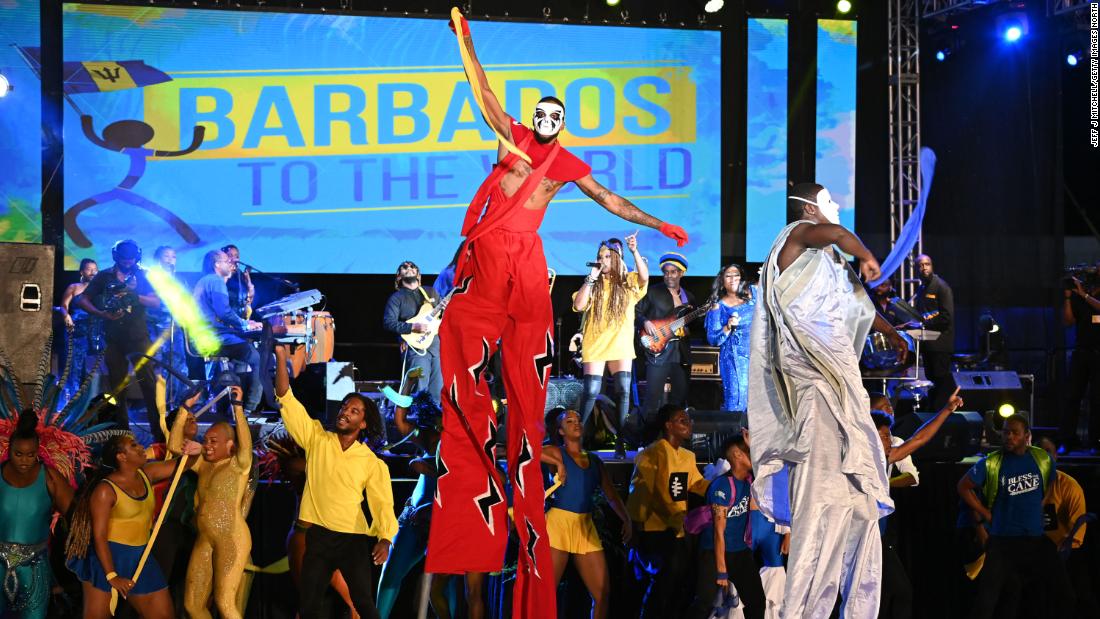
{"x":673,"y":363}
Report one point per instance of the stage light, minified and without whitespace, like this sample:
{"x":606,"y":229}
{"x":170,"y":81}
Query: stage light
{"x":713,"y":6}
{"x":5,"y":86}
{"x":940,"y":55}
{"x":613,"y":2}
{"x":843,"y":6}
{"x":1013,"y":34}
{"x":1071,"y":60}
{"x":1006,"y":410}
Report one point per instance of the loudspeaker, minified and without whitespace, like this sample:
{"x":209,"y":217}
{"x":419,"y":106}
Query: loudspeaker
{"x":960,"y":436}
{"x":564,"y":392}
{"x":988,"y":390}
{"x":26,"y":304}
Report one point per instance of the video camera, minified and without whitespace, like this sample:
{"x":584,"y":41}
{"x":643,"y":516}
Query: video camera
{"x":119,"y":296}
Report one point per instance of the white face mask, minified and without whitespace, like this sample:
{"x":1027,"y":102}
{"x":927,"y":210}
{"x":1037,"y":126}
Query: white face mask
{"x":548,"y":118}
{"x":824,"y":203}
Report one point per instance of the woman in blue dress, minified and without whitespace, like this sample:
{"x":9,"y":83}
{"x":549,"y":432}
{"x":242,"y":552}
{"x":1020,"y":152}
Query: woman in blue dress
{"x":728,"y":328}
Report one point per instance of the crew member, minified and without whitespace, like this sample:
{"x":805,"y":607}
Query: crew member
{"x":1081,"y":309}
{"x":119,"y":296}
{"x":79,"y":329}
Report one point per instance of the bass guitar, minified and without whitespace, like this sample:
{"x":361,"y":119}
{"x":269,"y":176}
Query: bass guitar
{"x":666,"y":328}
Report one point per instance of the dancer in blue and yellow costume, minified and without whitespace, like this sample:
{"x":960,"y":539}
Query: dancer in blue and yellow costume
{"x":569,"y":519}
{"x":728,"y":328}
{"x":111,"y":526}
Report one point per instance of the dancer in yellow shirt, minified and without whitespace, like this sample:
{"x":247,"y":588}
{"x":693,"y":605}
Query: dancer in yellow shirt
{"x":341,"y":468}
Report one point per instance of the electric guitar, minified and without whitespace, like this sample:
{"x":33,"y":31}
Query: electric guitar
{"x":666,"y":328}
{"x":430,"y":317}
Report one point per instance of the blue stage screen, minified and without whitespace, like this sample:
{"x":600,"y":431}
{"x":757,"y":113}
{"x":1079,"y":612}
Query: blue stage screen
{"x":836,"y":114}
{"x":766,"y":147}
{"x":20,"y":125}
{"x":346,"y":144}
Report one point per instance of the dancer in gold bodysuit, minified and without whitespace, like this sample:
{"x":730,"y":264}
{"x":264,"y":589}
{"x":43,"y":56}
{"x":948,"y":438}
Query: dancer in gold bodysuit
{"x":224,"y":543}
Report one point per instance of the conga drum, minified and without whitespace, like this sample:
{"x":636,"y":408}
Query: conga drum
{"x":319,"y":337}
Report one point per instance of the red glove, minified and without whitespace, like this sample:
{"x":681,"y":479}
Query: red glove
{"x":674,"y":232}
{"x":465,"y":26}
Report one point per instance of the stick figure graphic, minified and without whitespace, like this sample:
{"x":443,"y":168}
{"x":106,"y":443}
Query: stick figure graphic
{"x":129,"y":138}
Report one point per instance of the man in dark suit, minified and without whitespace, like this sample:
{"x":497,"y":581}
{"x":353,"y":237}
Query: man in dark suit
{"x":673,"y":364}
{"x":936,"y":305}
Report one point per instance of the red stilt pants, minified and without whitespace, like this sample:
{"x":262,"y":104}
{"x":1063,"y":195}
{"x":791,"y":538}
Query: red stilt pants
{"x":502,"y":294}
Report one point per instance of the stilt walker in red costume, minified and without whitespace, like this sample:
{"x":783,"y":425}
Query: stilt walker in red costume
{"x":502,"y":295}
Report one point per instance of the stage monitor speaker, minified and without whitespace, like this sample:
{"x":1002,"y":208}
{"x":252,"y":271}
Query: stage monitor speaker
{"x":960,"y":436}
{"x":26,"y":305}
{"x":711,"y":428}
{"x":989,"y":390}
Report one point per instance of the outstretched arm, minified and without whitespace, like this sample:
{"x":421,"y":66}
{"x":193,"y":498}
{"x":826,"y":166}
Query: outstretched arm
{"x":926,"y":431}
{"x":89,"y":132}
{"x":494,"y":113}
{"x":625,"y":209}
{"x":196,"y":141}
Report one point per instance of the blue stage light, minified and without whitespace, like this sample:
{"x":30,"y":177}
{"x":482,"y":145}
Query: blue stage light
{"x":1071,"y":60}
{"x":940,"y":55}
{"x":1013,"y":34}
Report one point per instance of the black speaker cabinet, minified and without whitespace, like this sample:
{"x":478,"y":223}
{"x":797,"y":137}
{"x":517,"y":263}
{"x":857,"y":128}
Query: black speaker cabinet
{"x":26,"y":304}
{"x":960,"y":436}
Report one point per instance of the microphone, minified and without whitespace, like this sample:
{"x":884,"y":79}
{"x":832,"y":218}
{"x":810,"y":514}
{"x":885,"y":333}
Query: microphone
{"x":594,"y":265}
{"x":295,"y":286}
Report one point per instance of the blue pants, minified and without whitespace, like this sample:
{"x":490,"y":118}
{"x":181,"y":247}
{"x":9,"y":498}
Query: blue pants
{"x":32,"y":598}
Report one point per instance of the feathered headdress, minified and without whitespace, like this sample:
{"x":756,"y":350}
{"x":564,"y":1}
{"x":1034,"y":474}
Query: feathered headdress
{"x":65,"y":430}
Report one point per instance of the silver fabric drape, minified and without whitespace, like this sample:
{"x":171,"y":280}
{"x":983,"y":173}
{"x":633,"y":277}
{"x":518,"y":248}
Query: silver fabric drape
{"x":809,"y":414}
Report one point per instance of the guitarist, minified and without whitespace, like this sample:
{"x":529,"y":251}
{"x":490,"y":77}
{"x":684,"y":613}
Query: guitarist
{"x":674,"y":362}
{"x":403,"y":304}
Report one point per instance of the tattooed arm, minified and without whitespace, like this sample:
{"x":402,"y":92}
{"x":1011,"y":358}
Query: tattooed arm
{"x":615,"y":203}
{"x":625,"y":209}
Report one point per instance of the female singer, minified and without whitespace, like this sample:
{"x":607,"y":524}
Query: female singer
{"x":728,"y":329}
{"x":607,"y":298}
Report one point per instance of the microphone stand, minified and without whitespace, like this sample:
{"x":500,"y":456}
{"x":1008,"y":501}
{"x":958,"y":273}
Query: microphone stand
{"x":294,"y":286}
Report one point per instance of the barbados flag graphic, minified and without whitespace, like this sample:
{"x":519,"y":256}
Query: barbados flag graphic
{"x":101,"y":76}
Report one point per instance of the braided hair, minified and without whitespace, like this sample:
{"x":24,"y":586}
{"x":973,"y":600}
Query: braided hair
{"x":80,"y":530}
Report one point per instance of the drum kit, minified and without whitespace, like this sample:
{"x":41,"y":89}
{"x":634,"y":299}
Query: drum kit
{"x":900,"y":379}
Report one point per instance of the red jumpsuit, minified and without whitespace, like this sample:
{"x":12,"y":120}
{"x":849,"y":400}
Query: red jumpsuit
{"x":501,"y":294}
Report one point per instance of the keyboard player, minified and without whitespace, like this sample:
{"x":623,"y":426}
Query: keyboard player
{"x":212,"y":297}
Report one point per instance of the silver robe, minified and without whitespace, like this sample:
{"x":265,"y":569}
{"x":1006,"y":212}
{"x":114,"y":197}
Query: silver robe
{"x":818,"y":460}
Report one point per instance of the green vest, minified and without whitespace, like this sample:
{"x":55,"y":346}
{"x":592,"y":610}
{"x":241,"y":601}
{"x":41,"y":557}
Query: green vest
{"x":993,"y":472}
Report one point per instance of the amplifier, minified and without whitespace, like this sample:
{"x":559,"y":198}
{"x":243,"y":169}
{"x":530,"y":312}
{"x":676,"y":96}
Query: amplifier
{"x":960,"y":436}
{"x":704,"y":362}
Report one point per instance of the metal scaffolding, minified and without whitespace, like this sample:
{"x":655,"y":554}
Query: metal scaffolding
{"x":904,"y":76}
